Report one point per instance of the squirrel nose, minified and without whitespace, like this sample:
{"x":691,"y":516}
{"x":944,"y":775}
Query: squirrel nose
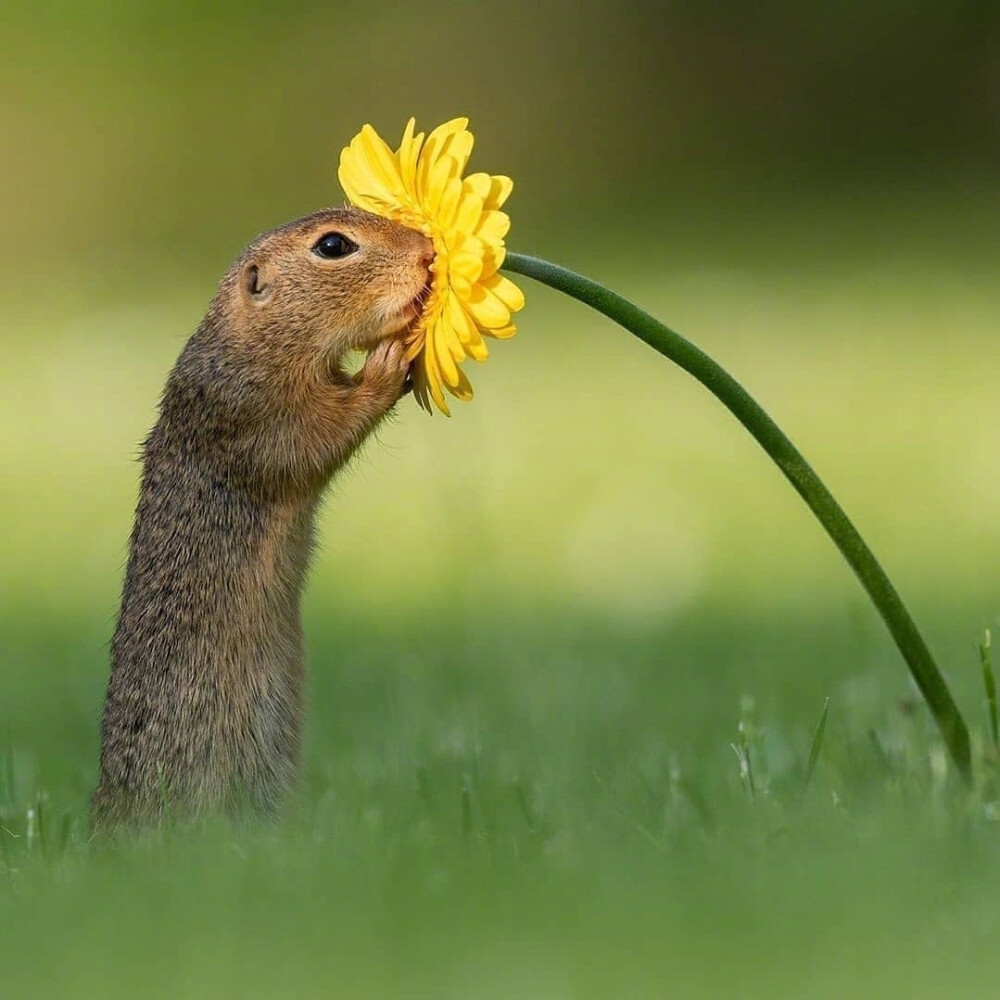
{"x":427,"y":252}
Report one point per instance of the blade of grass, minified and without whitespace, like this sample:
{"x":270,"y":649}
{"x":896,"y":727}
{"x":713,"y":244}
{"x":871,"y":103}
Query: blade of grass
{"x":886,"y":765}
{"x":65,"y":832}
{"x":41,"y":812}
{"x":742,"y":750}
{"x":30,"y":829}
{"x":989,"y":682}
{"x":636,"y":825}
{"x":816,"y":745}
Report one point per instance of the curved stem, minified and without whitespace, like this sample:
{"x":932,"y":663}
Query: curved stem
{"x":798,"y":472}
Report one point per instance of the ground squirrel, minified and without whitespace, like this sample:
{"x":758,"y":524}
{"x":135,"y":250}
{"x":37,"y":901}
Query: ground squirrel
{"x":204,"y":703}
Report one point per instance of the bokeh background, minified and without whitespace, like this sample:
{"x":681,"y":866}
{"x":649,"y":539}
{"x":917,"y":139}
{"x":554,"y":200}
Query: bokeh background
{"x":585,"y":570}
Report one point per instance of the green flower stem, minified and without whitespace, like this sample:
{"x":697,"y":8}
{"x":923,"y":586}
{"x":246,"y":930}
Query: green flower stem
{"x":798,"y":472}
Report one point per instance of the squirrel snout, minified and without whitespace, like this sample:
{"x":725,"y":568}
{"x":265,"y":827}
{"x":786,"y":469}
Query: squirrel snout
{"x":426,"y":250}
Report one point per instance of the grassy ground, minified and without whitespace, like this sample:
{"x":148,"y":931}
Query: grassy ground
{"x":537,"y":632}
{"x":528,"y":810}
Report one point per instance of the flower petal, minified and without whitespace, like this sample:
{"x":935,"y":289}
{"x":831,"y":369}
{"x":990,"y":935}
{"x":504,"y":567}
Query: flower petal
{"x":480,"y":185}
{"x":442,"y":351}
{"x":446,"y":129}
{"x":486,"y":309}
{"x":415,"y":343}
{"x":459,"y":242}
{"x":381,"y":159}
{"x":493,"y":258}
{"x":360,"y":183}
{"x":420,"y":385}
{"x":470,"y":208}
{"x":506,"y":291}
{"x":493,"y":226}
{"x":503,"y":333}
{"x":409,"y":153}
{"x":437,"y":180}
{"x":449,"y":203}
{"x":405,"y":142}
{"x":463,"y":390}
{"x":458,"y":146}
{"x":500,"y":189}
{"x":433,"y":374}
{"x":468,"y":332}
{"x":433,"y":149}
{"x":465,"y":264}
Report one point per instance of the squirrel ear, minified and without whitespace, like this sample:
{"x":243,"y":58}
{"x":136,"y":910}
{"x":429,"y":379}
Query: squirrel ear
{"x":255,"y":283}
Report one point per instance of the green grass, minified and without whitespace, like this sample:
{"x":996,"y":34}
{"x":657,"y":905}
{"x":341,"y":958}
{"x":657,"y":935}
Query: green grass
{"x":540,"y":806}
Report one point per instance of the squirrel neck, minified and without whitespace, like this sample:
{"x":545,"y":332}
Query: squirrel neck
{"x":218,"y":556}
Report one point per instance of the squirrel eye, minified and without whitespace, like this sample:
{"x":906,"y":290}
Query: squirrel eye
{"x":333,"y":245}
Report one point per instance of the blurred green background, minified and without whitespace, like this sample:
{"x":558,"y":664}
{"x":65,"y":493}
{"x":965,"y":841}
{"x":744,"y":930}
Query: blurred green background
{"x":531,"y":624}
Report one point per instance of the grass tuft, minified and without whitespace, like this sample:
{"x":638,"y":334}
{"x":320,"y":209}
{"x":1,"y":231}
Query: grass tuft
{"x":816,"y":746}
{"x":989,"y":683}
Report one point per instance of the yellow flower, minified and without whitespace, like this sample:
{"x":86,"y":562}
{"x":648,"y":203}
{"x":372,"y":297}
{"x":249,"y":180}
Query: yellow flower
{"x":421,"y":185}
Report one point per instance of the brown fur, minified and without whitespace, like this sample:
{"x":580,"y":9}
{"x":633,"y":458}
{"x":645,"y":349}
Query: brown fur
{"x":204,"y":703}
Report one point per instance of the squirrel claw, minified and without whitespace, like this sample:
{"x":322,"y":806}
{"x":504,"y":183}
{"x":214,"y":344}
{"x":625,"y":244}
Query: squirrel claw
{"x":386,"y":369}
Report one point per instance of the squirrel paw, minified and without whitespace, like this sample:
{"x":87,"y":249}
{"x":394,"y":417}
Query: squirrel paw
{"x":385,"y":371}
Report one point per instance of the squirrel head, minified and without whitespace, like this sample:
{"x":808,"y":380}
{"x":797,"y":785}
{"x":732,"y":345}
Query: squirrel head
{"x":341,"y":279}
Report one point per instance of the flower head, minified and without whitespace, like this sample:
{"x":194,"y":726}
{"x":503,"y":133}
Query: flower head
{"x":421,"y":186}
